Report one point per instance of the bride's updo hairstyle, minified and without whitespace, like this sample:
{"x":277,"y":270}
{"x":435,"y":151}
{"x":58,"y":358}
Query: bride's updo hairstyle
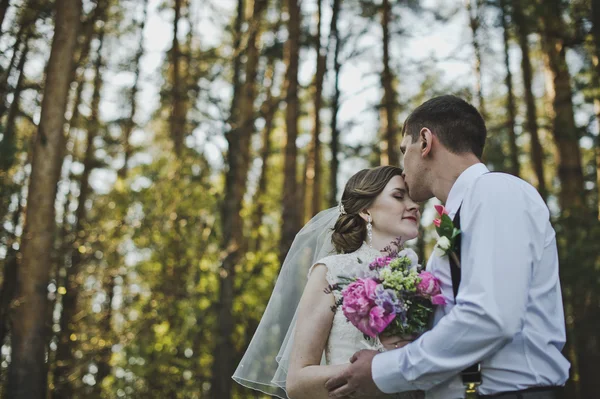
{"x":350,"y":230}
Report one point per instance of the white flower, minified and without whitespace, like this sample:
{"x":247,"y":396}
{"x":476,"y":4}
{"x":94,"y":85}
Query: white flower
{"x":442,"y":246}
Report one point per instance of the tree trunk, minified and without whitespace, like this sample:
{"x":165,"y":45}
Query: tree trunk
{"x":4,"y":86}
{"x":237,"y":64}
{"x":291,"y":213}
{"x":8,"y":145}
{"x":314,"y":172}
{"x":65,"y":359}
{"x":233,"y":241}
{"x":564,"y":130}
{"x":574,"y":212}
{"x":219,"y":384}
{"x":269,"y":108}
{"x":26,"y":374}
{"x":515,"y":167}
{"x":9,"y":282}
{"x":473,"y":7}
{"x":335,"y":103}
{"x":27,"y":18}
{"x":104,"y":354}
{"x":537,"y":152}
{"x":389,"y":150}
{"x":178,"y":115}
{"x":130,"y":123}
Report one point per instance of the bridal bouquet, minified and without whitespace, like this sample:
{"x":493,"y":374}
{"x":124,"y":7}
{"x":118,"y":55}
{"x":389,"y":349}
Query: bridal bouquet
{"x":395,"y":297}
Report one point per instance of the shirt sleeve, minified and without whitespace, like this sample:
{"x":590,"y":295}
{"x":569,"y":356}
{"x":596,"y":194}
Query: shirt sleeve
{"x":501,"y":223}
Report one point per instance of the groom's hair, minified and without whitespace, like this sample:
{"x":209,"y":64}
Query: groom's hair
{"x":456,"y":123}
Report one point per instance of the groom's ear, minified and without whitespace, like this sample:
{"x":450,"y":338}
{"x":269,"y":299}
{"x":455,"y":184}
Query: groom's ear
{"x":426,"y":141}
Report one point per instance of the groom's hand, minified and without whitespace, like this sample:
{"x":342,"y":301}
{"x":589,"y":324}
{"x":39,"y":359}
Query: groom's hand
{"x":356,"y":381}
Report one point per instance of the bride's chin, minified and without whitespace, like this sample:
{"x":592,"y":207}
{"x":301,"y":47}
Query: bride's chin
{"x":411,"y":235}
{"x":408,"y":235}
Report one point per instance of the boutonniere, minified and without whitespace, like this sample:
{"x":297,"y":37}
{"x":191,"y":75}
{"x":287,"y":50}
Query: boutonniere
{"x":446,"y":244}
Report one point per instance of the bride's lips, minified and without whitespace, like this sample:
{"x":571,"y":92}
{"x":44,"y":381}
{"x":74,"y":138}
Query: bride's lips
{"x":413,"y":218}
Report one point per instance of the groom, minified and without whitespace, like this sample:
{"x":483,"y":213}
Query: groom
{"x":507,"y":318}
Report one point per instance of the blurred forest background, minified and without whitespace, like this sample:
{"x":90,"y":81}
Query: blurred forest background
{"x":157,"y":158}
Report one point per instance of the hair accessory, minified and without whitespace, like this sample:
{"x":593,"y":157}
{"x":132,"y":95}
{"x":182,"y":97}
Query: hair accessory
{"x":341,"y":208}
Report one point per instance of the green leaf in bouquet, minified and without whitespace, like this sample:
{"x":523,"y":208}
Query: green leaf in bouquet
{"x":346,"y":280}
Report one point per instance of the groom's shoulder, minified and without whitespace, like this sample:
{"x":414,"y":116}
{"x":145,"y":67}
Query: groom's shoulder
{"x":501,"y":186}
{"x":501,"y":181}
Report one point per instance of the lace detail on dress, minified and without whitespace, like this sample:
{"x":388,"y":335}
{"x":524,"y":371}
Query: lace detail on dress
{"x":345,"y":339}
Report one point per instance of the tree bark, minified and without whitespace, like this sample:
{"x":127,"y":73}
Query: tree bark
{"x":65,"y":359}
{"x":178,"y":115}
{"x":9,"y":282}
{"x":8,"y":144}
{"x":291,"y":213}
{"x":4,"y":86}
{"x":269,"y":108}
{"x":335,"y":103}
{"x":234,"y":243}
{"x":389,"y":150}
{"x":537,"y":152}
{"x":574,"y":212}
{"x":26,"y":374}
{"x":104,"y":353}
{"x":237,"y":64}
{"x":473,"y":7}
{"x":564,"y":130}
{"x":515,"y":167}
{"x":314,"y":172}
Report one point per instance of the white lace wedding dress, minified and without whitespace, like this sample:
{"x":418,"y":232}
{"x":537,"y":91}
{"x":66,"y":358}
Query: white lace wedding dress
{"x":345,"y":339}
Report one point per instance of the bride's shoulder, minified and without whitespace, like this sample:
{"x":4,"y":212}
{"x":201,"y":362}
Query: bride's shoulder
{"x":336,"y":262}
{"x":334,"y":259}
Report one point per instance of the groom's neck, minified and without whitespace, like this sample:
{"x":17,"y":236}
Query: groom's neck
{"x":446,"y":171}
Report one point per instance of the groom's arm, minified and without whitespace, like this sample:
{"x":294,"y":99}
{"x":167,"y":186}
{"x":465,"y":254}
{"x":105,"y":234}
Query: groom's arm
{"x":505,"y":227}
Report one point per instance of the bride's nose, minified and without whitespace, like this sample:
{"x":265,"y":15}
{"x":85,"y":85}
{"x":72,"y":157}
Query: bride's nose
{"x":411,"y":205}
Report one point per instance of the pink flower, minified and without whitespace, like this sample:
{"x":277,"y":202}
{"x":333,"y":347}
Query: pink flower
{"x":359,"y":298}
{"x":437,"y":222}
{"x":438,"y":300}
{"x":378,"y":321}
{"x":441,"y":210}
{"x":429,"y":285}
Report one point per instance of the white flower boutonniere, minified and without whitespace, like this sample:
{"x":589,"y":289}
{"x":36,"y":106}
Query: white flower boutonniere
{"x":446,"y":244}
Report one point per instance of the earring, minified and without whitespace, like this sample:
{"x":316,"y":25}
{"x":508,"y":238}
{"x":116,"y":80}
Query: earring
{"x":369,"y":231}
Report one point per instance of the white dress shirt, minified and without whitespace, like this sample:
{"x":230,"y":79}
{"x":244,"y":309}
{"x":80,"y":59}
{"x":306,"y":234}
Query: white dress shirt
{"x":508,"y":314}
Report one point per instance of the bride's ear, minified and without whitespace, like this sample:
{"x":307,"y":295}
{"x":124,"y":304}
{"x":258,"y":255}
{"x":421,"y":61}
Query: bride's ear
{"x":364,"y":214}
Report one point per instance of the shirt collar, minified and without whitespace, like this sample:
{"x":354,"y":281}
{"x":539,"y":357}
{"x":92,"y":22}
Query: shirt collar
{"x":462,"y":185}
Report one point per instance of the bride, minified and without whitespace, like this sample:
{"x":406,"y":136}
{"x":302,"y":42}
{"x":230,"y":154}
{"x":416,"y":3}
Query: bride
{"x":375,"y":209}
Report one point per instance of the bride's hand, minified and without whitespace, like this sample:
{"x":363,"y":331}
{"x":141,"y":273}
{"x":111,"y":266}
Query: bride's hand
{"x":391,"y":342}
